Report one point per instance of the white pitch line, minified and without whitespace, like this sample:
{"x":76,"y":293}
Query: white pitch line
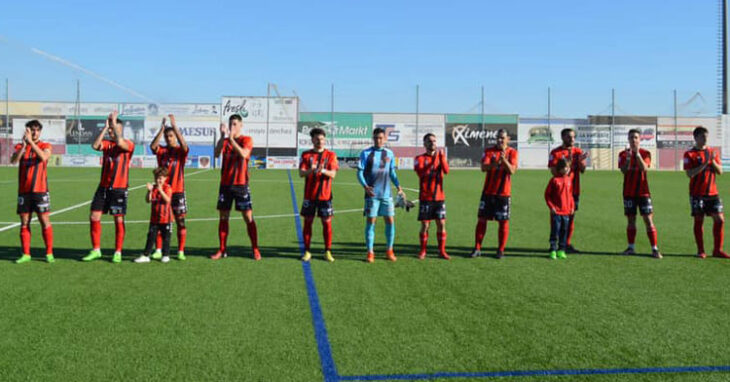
{"x":14,"y":225}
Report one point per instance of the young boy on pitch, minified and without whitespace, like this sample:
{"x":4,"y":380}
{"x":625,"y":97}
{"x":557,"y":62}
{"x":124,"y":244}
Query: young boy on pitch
{"x":559,"y":199}
{"x":159,"y":196}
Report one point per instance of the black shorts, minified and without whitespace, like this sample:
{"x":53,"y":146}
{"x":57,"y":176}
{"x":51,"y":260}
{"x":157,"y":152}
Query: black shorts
{"x":111,"y":201}
{"x":38,"y":202}
{"x":642,"y":203}
{"x":179,"y":204}
{"x":431,"y":210}
{"x":321,"y":208}
{"x":240,"y":194}
{"x":576,"y":201}
{"x":493,"y":207}
{"x":705,"y":205}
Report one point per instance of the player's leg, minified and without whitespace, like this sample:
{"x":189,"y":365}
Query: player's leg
{"x":718,"y":234}
{"x":165,"y":232}
{"x":24,"y":237}
{"x":387,"y":210}
{"x":307,"y":237}
{"x":152,"y":234}
{"x":252,"y":233}
{"x":225,"y":200}
{"x":372,"y":206}
{"x":182,"y":234}
{"x":630,"y":234}
{"x":326,"y":212}
{"x":563,"y":222}
{"x":571,"y":226}
{"x":423,"y":237}
{"x":697,"y":206}
{"x":554,"y":235}
{"x":47,"y":232}
{"x":98,"y":206}
{"x":502,"y":216}
{"x":652,"y":234}
{"x":485,"y":210}
{"x":120,"y":230}
{"x":441,"y":237}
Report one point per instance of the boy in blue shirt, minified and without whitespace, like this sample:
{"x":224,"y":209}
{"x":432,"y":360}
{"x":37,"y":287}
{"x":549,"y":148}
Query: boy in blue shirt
{"x":375,"y":172}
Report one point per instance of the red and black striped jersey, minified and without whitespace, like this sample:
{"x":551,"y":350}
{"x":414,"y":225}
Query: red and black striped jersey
{"x":704,"y":183}
{"x":431,"y":170}
{"x":318,"y":186}
{"x":498,"y":180}
{"x":234,"y":168}
{"x":32,"y":176}
{"x":635,"y":180}
{"x":115,"y":164}
{"x":173,"y":159}
{"x":573,"y":153}
{"x":160,"y":210}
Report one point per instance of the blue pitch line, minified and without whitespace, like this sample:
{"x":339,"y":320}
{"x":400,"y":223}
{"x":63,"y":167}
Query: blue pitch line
{"x":329,"y":370}
{"x":527,"y":373}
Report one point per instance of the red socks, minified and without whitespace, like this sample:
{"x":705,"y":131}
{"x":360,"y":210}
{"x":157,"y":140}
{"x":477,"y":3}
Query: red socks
{"x":181,"y":235}
{"x":698,"y":235}
{"x":631,"y":234}
{"x":441,"y":236}
{"x":25,"y":239}
{"x":158,"y":241}
{"x":222,"y":234}
{"x":48,"y":239}
{"x":306,"y":232}
{"x":479,"y":233}
{"x":118,"y":235}
{"x":424,"y":240}
{"x":718,"y":233}
{"x":253,"y":235}
{"x":652,"y":236}
{"x":95,"y":233}
{"x":503,"y":234}
{"x":327,"y":233}
{"x":571,"y":228}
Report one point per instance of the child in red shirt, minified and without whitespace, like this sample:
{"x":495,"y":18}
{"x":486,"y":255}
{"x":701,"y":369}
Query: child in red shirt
{"x":159,"y":196}
{"x":559,"y":199}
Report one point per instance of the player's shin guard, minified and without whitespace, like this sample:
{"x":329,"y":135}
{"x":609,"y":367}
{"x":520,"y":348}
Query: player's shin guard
{"x":222,"y":235}
{"x":327,"y":234}
{"x":631,"y":234}
{"x":503,"y":234}
{"x":253,"y":234}
{"x":25,"y":238}
{"x":48,"y":239}
{"x":441,"y":236}
{"x":369,"y":236}
{"x":389,"y":235}
{"x":479,"y":233}
{"x":307,"y":232}
{"x":119,"y":230}
{"x":423,"y":237}
{"x":571,"y":228}
{"x":182,"y":234}
{"x":718,"y":234}
{"x":699,"y":231}
{"x":651,"y":233}
{"x":158,"y":242}
{"x":95,"y":233}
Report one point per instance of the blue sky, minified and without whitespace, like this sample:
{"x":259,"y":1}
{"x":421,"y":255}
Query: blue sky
{"x":375,"y":53}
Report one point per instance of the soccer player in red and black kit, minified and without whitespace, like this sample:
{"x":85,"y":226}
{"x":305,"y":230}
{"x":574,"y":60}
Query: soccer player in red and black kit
{"x":577,"y":158}
{"x":173,"y":157}
{"x":159,"y":195}
{"x":33,"y":154}
{"x":634,"y":163}
{"x":702,"y":165}
{"x":500,"y":163}
{"x":236,"y":151}
{"x":111,"y":194}
{"x":431,"y":167}
{"x":318,"y":166}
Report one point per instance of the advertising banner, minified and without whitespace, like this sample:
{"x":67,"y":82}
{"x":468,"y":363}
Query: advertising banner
{"x":347,"y":135}
{"x":81,"y":161}
{"x":69,"y":108}
{"x":467,"y":137}
{"x":537,"y":136}
{"x":407,"y":130}
{"x":280,"y":114}
{"x":191,"y":109}
{"x":54,"y":129}
{"x":196,"y":131}
{"x":668,"y":137}
{"x":282,"y":162}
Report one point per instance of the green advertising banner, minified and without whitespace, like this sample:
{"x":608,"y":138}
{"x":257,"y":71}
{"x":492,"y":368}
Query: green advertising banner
{"x":347,"y":133}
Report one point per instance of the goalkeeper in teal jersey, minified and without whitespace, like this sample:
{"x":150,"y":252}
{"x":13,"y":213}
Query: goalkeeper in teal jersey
{"x":375,"y":172}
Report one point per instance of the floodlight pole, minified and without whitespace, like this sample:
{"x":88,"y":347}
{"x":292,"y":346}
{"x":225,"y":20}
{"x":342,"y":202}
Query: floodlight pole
{"x":8,"y":133}
{"x":268,"y":106}
{"x":481,"y":116}
{"x":549,"y":115}
{"x":676,"y":131}
{"x":417,"y":107}
{"x":723,"y":41}
{"x":613,"y":116}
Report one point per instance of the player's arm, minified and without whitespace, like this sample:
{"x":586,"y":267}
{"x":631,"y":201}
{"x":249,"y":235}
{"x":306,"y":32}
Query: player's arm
{"x":178,"y":134}
{"x":487,"y":164}
{"x":506,"y":163}
{"x":219,"y":144}
{"x":164,"y":195}
{"x":148,"y":197}
{"x":643,"y":166}
{"x":156,"y":140}
{"x":243,"y":152}
{"x":623,"y":163}
{"x":582,"y":161}
{"x":693,"y":171}
{"x":394,"y":176}
{"x":361,"y":175}
{"x":715,"y":163}
{"x":548,"y":194}
{"x":444,"y":162}
{"x":304,"y":168}
{"x":96,"y":145}
{"x":332,"y":171}
{"x":121,"y":142}
{"x":44,"y":154}
{"x":15,"y":157}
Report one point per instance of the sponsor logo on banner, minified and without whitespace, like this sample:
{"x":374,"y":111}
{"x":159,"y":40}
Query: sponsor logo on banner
{"x":466,"y":141}
{"x":269,"y":122}
{"x":70,"y":109}
{"x":194,"y":130}
{"x":54,"y":129}
{"x":139,"y":109}
{"x":407,"y":130}
{"x":190,"y":109}
{"x":282,"y":162}
{"x":81,"y":161}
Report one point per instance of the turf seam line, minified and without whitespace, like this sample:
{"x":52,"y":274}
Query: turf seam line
{"x":527,"y":373}
{"x":329,"y":370}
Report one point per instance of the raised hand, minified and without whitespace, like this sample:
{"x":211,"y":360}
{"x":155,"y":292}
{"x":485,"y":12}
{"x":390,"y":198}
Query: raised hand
{"x":172,"y":120}
{"x":162,"y":125}
{"x":150,"y":186}
{"x":224,"y":129}
{"x":28,"y":136}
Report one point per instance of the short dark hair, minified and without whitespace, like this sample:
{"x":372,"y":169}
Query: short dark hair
{"x":168,"y":128}
{"x":428,"y":135}
{"x":634,"y":131}
{"x":378,"y":130}
{"x":120,"y":121}
{"x":699,"y":130}
{"x":160,"y":172}
{"x":235,"y":116}
{"x":502,"y":131}
{"x":565,"y":131}
{"x":34,"y":123}
{"x":317,"y":131}
{"x":563,"y":162}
